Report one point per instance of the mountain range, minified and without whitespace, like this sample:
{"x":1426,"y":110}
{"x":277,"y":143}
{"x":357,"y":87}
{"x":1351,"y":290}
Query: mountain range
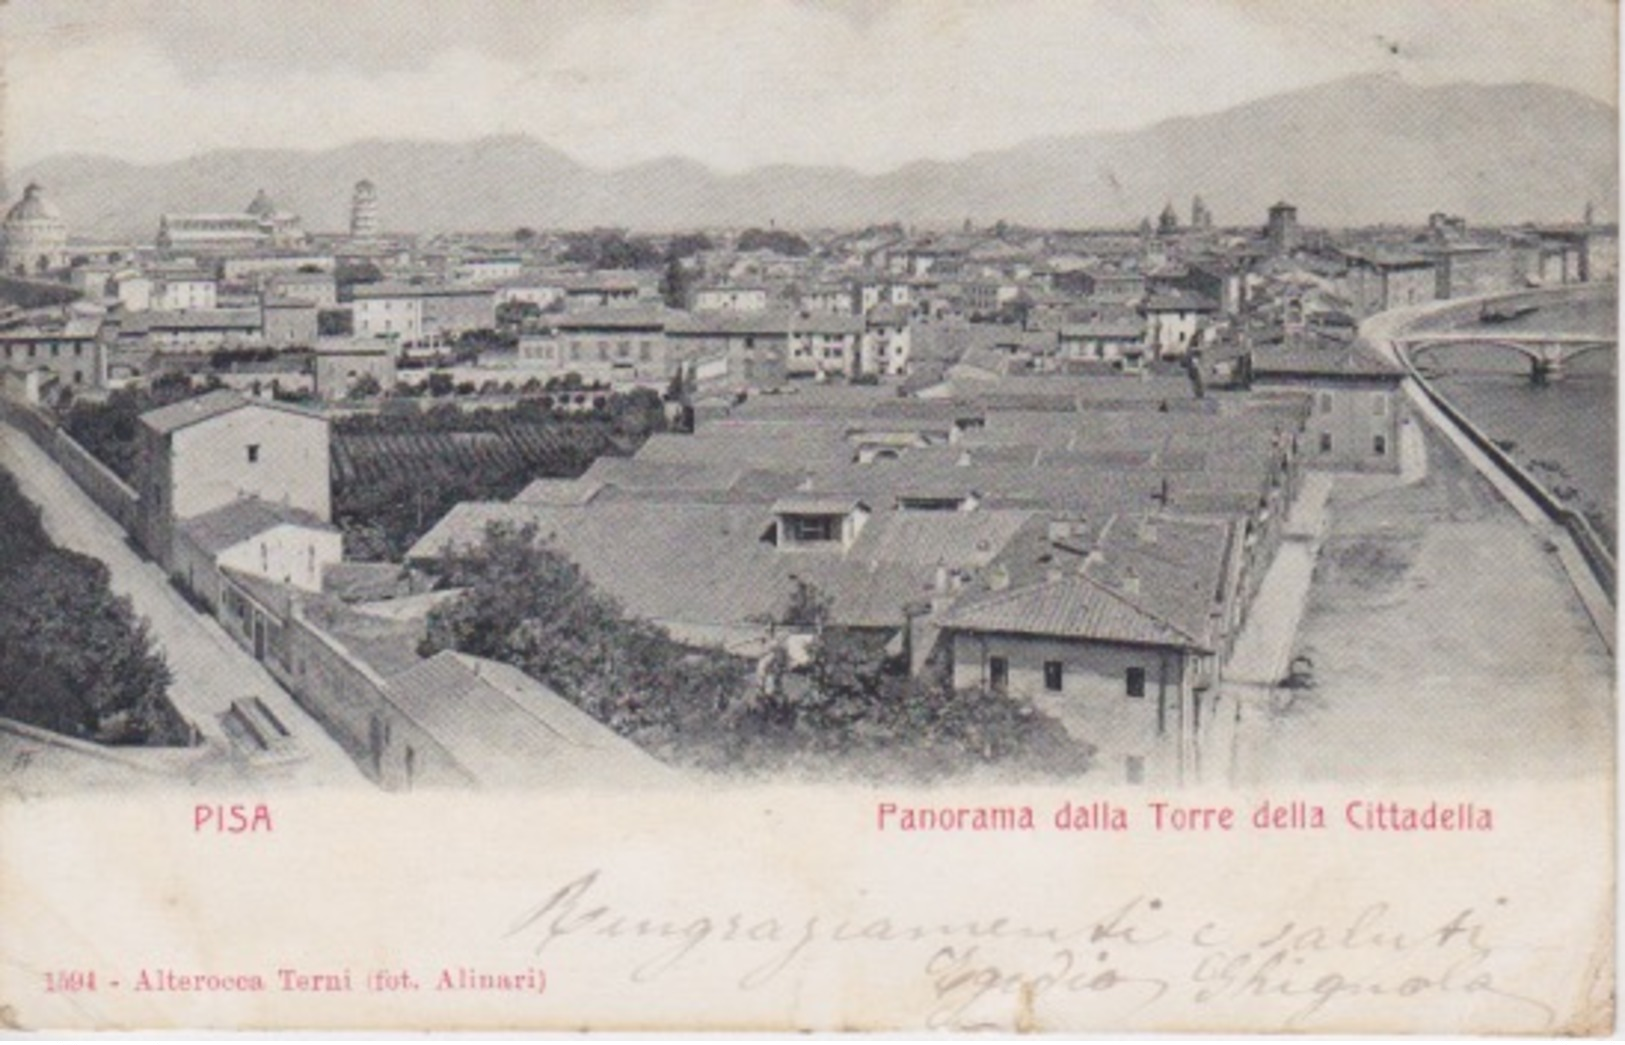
{"x":1356,"y":151}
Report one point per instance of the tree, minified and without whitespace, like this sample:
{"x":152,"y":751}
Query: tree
{"x":847,"y":670}
{"x":776,"y":240}
{"x":534,"y":609}
{"x":335,"y":322}
{"x":74,"y":658}
{"x":807,"y":606}
{"x":348,"y":273}
{"x":674,"y":284}
{"x":517,"y":315}
{"x":687,"y":245}
{"x":365,"y":387}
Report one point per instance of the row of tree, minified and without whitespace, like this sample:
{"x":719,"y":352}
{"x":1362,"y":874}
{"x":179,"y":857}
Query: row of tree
{"x":614,"y":249}
{"x":74,"y":657}
{"x":382,"y":516}
{"x":109,"y":429}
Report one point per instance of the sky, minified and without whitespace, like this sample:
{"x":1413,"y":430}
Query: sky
{"x":733,"y":84}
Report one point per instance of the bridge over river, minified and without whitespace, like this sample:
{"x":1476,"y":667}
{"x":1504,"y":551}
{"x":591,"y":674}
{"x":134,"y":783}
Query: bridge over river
{"x":1548,"y":355}
{"x":1536,"y":374}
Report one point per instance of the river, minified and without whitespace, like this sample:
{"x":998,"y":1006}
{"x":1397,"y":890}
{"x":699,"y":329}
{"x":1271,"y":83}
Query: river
{"x":1566,"y":433}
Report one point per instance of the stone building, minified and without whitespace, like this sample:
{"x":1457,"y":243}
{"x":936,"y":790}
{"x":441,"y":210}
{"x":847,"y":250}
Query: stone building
{"x":205,"y":453}
{"x":1282,"y":230}
{"x":33,"y":238}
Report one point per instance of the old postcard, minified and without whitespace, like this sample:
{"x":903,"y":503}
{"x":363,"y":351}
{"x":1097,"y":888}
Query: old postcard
{"x":808,"y":515}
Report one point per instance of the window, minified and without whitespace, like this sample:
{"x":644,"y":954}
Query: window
{"x":814,"y":527}
{"x":998,"y":674}
{"x":1134,"y":769}
{"x":1136,"y":682}
{"x":1379,"y":445}
{"x":253,"y":453}
{"x":1325,"y":402}
{"x":1325,"y":442}
{"x":1052,"y":675}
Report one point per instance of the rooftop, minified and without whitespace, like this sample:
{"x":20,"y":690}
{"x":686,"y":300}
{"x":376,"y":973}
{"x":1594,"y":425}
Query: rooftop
{"x":243,"y":520}
{"x":507,"y":729}
{"x":1322,"y":358}
{"x":389,"y":289}
{"x":1073,"y":606}
{"x":165,"y":419}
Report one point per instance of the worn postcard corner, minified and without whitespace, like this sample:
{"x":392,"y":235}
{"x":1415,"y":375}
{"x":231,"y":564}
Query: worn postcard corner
{"x":848,"y":516}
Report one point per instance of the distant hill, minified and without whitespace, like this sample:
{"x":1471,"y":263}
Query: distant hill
{"x":1355,"y":151}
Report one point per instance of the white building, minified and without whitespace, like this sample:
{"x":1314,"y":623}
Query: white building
{"x":1174,"y":322}
{"x":887,"y":340}
{"x":33,"y":238}
{"x":184,"y":291}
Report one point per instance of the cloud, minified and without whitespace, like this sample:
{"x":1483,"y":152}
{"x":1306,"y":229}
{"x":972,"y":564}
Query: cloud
{"x":732,"y":83}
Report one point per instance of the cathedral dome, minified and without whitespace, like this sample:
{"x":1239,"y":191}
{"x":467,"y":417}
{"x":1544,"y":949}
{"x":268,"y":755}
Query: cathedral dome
{"x":33,"y":237}
{"x":33,"y":207}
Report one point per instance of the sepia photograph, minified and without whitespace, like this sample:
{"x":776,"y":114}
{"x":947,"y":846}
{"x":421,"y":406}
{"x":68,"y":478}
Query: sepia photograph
{"x":1056,"y":516}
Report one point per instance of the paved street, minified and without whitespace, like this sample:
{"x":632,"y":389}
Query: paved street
{"x":210,"y":671}
{"x":1263,"y":651}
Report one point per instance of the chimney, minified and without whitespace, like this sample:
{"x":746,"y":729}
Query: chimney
{"x":1148,"y":530}
{"x":998,"y":578}
{"x":1131,"y":582}
{"x":939,"y":581}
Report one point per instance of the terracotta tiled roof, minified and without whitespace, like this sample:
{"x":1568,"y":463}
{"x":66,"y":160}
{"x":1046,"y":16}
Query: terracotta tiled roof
{"x":1071,"y":606}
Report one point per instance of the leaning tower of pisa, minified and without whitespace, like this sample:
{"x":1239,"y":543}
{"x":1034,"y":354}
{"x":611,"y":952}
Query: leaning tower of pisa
{"x":364,"y":210}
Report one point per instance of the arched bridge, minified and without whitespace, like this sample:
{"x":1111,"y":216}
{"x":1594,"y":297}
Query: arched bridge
{"x":1547,"y":353}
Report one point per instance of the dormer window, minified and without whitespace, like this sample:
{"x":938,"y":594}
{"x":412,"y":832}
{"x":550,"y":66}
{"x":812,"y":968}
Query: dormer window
{"x":253,"y":453}
{"x":809,"y":521}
